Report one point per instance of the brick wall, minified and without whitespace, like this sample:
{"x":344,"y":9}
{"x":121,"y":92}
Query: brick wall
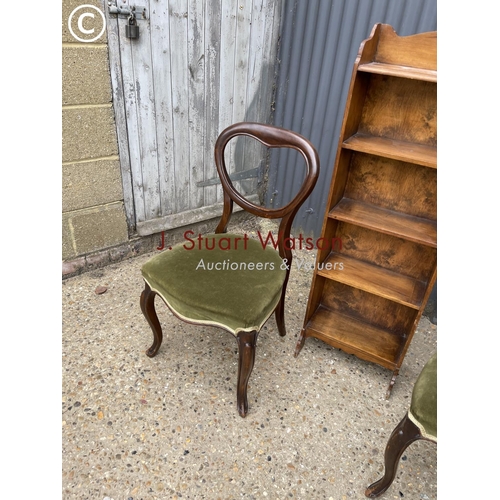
{"x":93,"y":216}
{"x":94,"y":226}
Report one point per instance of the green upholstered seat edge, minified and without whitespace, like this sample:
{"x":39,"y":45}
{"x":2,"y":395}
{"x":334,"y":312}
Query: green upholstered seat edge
{"x":423,"y":408}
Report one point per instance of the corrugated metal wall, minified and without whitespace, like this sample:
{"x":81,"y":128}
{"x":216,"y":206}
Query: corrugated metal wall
{"x":318,"y":46}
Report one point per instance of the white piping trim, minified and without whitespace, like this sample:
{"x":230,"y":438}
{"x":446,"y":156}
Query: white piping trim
{"x":421,"y":427}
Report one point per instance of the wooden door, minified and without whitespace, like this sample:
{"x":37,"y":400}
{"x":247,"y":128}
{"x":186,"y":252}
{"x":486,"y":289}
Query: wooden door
{"x":197,"y":67}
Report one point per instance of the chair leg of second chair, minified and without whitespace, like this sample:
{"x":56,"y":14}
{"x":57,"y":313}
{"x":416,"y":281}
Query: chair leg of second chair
{"x":246,"y":344}
{"x":402,"y":436}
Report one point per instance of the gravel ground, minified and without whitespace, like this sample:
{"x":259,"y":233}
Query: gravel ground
{"x":168,"y":428}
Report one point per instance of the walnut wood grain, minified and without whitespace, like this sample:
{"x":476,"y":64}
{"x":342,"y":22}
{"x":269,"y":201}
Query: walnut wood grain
{"x":392,"y":184}
{"x":399,"y":109}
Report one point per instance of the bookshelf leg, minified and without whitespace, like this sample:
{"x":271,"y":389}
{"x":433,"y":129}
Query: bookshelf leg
{"x":391,"y":384}
{"x":300,"y":343}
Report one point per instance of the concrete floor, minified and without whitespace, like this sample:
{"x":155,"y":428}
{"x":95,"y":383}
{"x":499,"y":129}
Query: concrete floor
{"x":168,"y":428}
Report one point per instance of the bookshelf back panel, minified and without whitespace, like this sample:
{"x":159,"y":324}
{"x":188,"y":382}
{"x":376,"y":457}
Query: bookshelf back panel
{"x":400,"y":109}
{"x":367,"y":307}
{"x":390,"y":252}
{"x":392,"y":184}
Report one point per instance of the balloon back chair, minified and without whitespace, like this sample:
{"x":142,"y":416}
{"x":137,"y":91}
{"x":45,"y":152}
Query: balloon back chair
{"x":420,"y":422}
{"x":228,"y":280}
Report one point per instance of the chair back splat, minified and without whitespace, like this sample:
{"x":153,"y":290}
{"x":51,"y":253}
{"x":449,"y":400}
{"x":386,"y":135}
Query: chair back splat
{"x":250,"y":282}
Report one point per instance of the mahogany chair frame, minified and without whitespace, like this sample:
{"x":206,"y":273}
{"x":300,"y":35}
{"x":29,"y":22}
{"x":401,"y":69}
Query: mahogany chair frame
{"x":272,"y":137}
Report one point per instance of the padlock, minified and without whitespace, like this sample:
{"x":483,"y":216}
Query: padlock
{"x":131,"y":29}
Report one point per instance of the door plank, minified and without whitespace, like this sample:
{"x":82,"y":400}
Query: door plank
{"x":131,"y":112}
{"x":196,"y":101}
{"x":239,"y":147}
{"x":179,"y":63}
{"x":146,"y":117}
{"x":227,"y":74}
{"x":160,"y":48}
{"x":120,"y":117}
{"x":249,"y":154}
{"x":212,"y":85}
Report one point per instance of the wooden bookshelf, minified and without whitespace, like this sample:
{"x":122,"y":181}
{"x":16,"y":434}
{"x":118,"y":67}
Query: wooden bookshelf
{"x":367,"y":297}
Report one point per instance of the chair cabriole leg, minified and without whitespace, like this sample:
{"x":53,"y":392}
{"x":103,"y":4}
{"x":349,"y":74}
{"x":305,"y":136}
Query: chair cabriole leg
{"x":279,"y":314}
{"x":246,"y":343}
{"x":402,"y":436}
{"x":148,"y":309}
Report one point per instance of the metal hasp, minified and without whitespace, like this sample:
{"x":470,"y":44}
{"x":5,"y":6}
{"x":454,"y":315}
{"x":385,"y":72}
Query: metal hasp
{"x":138,"y":11}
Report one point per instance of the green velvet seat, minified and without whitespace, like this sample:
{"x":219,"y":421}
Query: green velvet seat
{"x":227,"y":280}
{"x":420,"y":422}
{"x":198,"y":284}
